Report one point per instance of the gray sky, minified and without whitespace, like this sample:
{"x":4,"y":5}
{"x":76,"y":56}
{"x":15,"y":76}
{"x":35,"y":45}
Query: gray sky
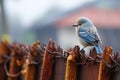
{"x":30,"y":10}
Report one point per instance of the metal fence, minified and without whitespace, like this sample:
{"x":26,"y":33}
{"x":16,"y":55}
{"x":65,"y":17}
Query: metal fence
{"x":49,"y":62}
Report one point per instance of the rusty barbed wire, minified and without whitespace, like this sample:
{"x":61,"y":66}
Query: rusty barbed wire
{"x":3,"y":56}
{"x":64,"y":54}
{"x":6,"y":70}
{"x":9,"y":58}
{"x":85,"y":59}
{"x":40,"y":52}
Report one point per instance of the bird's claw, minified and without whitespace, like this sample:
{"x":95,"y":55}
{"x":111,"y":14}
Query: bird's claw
{"x":82,"y":51}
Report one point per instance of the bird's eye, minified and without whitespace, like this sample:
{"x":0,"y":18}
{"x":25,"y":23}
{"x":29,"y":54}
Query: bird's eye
{"x":80,"y":23}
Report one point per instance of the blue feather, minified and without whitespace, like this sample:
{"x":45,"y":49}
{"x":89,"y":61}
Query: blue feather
{"x":87,"y":36}
{"x":90,"y":38}
{"x":98,"y":49}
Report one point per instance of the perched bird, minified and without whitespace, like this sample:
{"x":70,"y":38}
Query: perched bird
{"x":87,"y":34}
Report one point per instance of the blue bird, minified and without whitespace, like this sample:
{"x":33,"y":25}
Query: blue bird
{"x":87,"y":34}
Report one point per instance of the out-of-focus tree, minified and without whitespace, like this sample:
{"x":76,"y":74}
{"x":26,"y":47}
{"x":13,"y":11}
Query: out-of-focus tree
{"x":5,"y":35}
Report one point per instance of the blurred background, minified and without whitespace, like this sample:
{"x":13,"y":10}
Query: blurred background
{"x":29,"y":20}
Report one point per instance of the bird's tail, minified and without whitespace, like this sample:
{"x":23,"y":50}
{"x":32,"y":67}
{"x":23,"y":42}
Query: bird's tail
{"x":98,"y":49}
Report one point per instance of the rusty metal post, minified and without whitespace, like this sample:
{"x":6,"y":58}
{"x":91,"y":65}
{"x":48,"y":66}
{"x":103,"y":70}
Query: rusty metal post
{"x":17,"y":59}
{"x":71,"y":68}
{"x":4,"y":54}
{"x":104,"y":71}
{"x":71,"y":65}
{"x":33,"y":63}
{"x":90,"y":69}
{"x":48,"y":62}
{"x":59,"y":70}
{"x":115,"y":72}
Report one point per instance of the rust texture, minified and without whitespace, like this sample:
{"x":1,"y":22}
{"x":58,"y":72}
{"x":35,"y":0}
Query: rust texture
{"x":16,"y":62}
{"x":33,"y":63}
{"x":59,"y":70}
{"x":90,"y":69}
{"x":116,"y":70}
{"x":4,"y":53}
{"x":104,"y":71}
{"x":71,"y":65}
{"x":48,"y":62}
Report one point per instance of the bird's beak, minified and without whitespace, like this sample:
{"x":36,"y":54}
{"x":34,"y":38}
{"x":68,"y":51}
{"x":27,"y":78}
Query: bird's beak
{"x":75,"y":25}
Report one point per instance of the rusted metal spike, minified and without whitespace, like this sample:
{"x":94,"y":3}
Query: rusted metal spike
{"x":59,"y":69}
{"x":16,"y":62}
{"x":48,"y":62}
{"x":71,"y":66}
{"x":4,"y":54}
{"x":104,"y":73}
{"x":33,"y":62}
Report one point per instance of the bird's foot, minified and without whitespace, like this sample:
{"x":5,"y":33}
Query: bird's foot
{"x":82,"y":51}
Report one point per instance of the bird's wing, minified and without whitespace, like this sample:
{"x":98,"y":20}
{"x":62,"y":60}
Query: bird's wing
{"x":89,"y":35}
{"x":96,"y":32}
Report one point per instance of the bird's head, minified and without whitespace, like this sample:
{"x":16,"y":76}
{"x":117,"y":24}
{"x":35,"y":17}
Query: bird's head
{"x":83,"y":22}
